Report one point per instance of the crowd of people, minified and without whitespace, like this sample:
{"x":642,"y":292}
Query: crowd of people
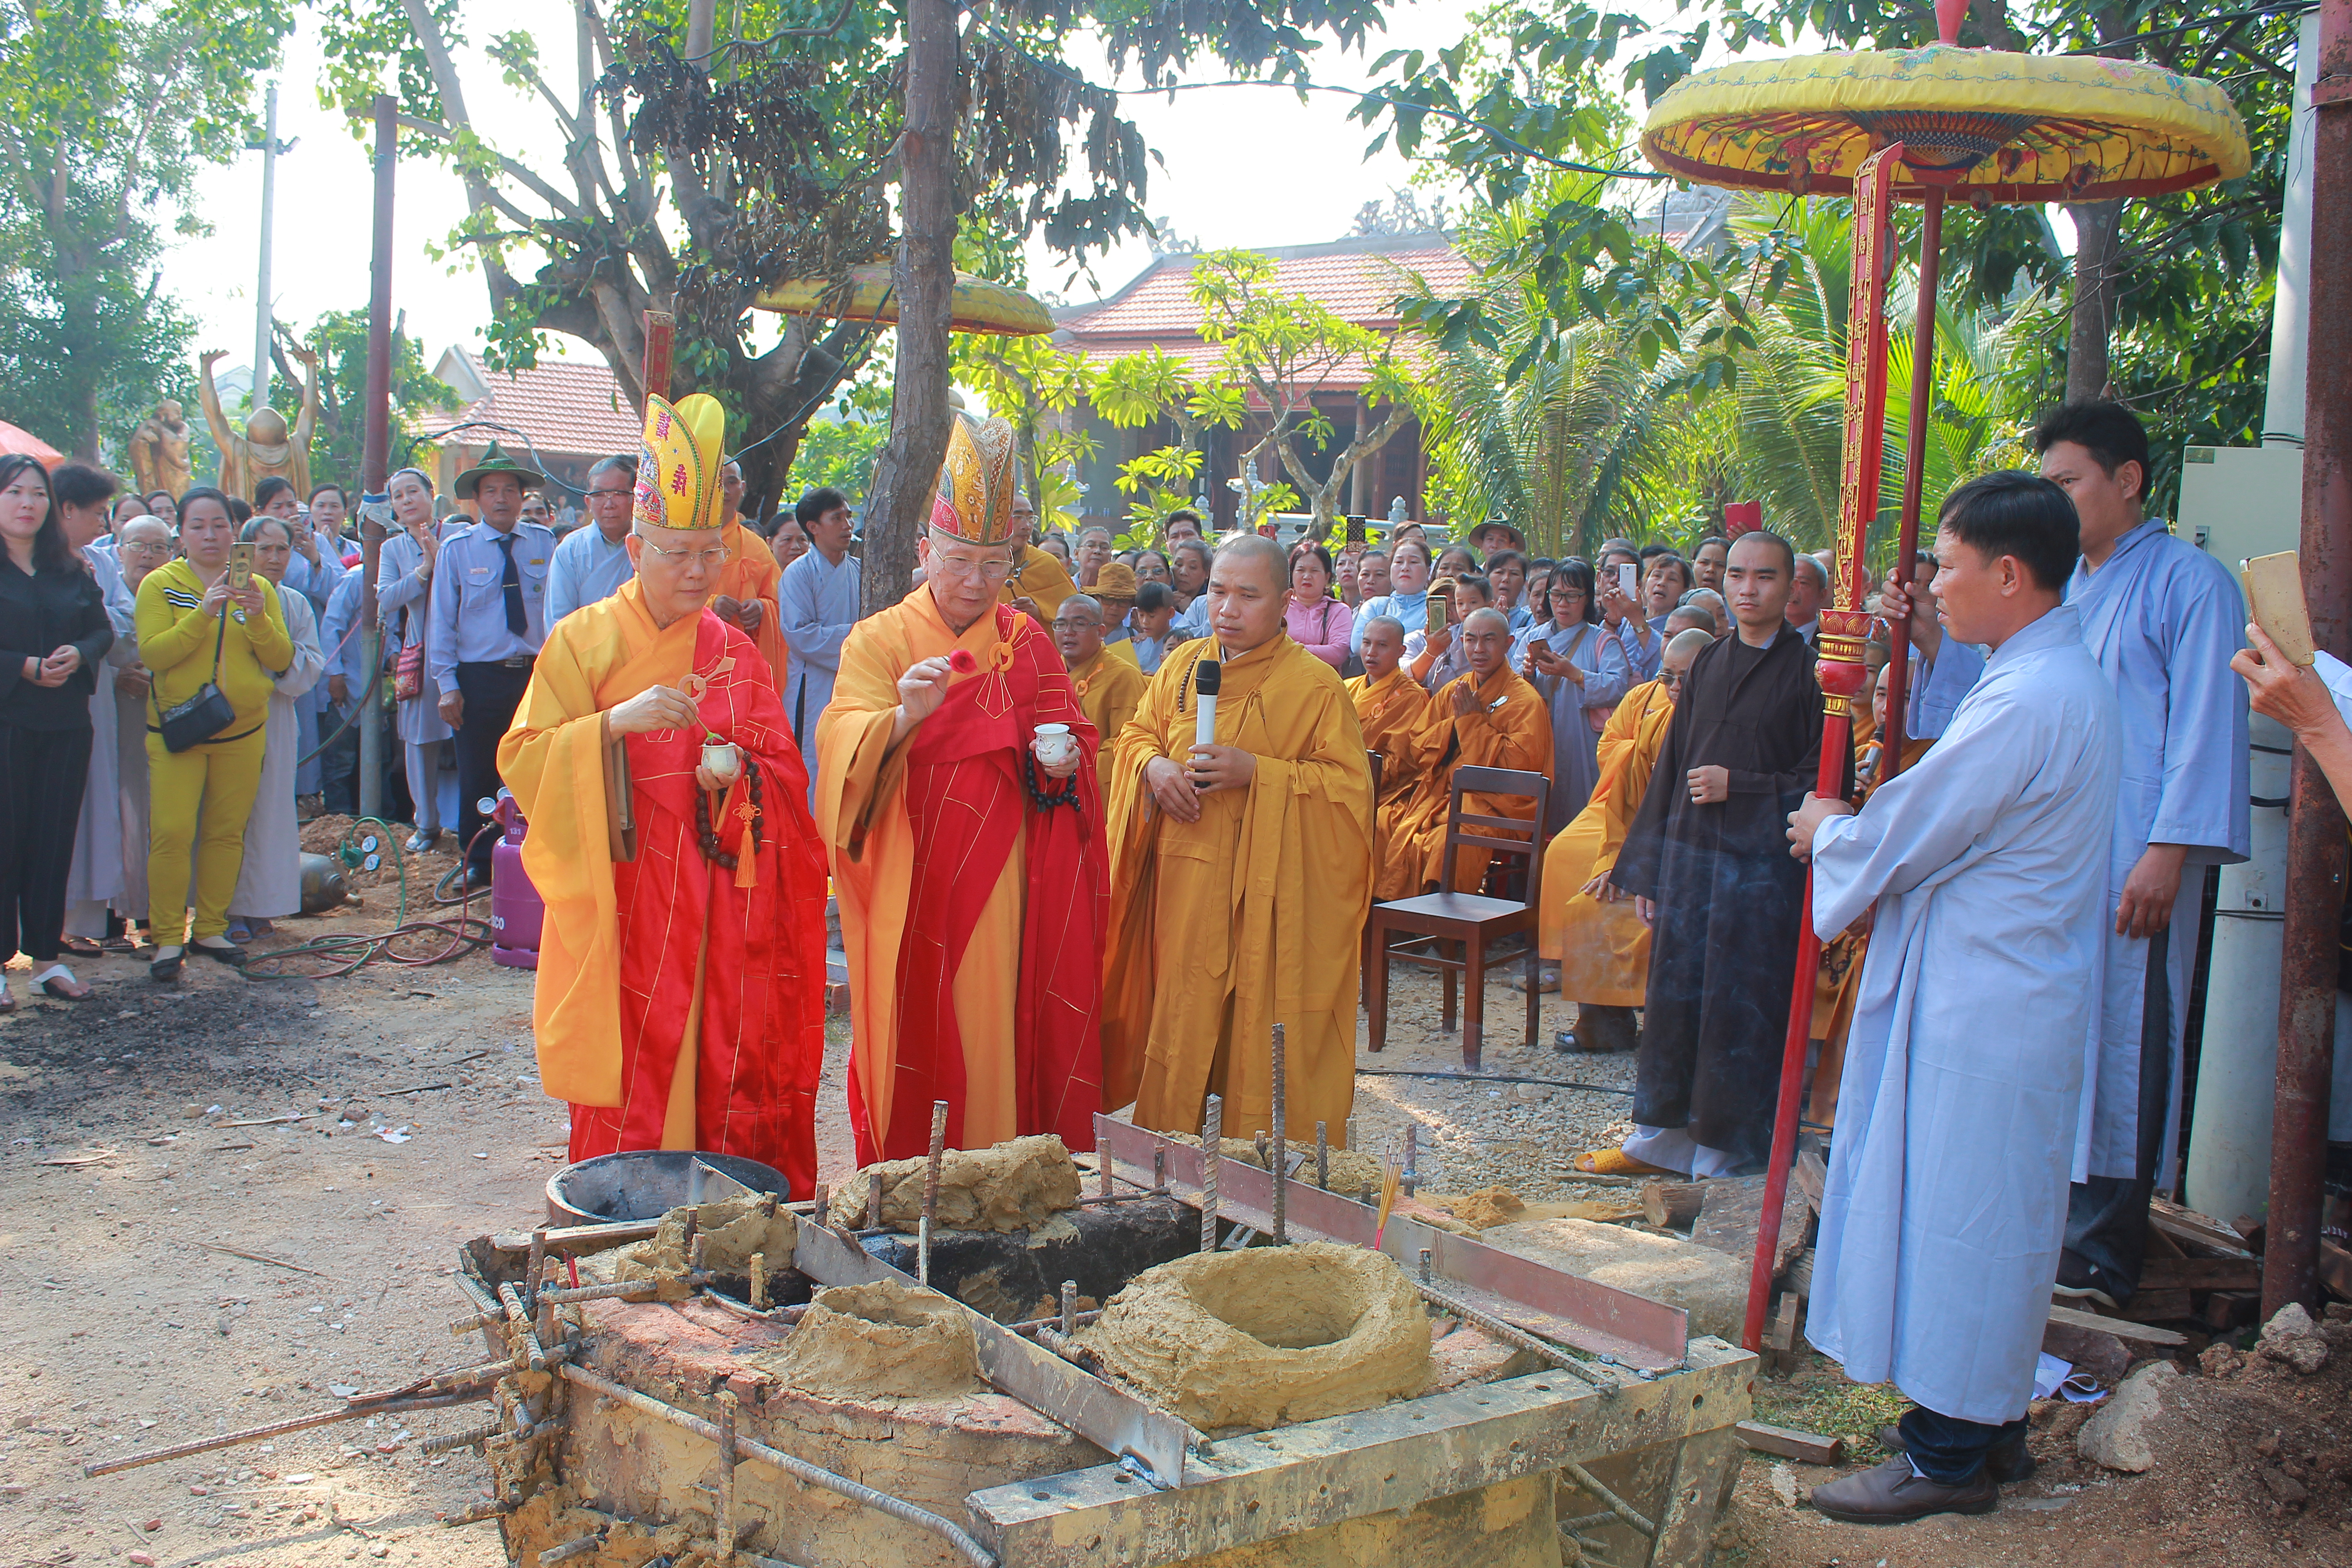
{"x":1100,"y":820}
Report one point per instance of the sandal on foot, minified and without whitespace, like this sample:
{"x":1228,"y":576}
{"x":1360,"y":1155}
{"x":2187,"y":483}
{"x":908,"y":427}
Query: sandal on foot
{"x":164,"y":969}
{"x":1617,"y":1163}
{"x":81,"y":946}
{"x":232,"y":954}
{"x":58,"y":982}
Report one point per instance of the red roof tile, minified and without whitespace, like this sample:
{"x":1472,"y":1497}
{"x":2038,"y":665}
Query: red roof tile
{"x":1359,"y":279}
{"x":566,"y":408}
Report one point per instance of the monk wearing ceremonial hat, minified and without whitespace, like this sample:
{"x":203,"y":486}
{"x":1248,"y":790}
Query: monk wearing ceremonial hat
{"x":680,"y":997}
{"x":1242,"y":872}
{"x":967,"y":847}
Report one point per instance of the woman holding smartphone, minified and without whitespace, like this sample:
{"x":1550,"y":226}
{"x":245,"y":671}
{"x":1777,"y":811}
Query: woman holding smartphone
{"x":1580,"y":669}
{"x":199,"y":624}
{"x":404,"y":586}
{"x":1407,"y":599}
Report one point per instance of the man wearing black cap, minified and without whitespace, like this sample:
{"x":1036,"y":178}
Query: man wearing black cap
{"x":488,"y":618}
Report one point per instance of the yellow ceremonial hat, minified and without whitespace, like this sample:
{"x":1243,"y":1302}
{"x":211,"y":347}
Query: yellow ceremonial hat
{"x":677,"y":470}
{"x":974,"y":498}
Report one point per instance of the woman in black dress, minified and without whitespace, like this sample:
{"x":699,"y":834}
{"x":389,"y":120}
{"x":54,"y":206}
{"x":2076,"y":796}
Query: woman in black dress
{"x":53,"y":633}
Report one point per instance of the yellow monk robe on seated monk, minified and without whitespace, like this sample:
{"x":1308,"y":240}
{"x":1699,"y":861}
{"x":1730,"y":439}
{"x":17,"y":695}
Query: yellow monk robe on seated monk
{"x":1586,"y":926}
{"x":972,"y":873}
{"x":1489,"y":718}
{"x":1110,"y":687}
{"x":1039,"y":580}
{"x":1392,"y":709}
{"x":1241,"y":873}
{"x":680,"y":997}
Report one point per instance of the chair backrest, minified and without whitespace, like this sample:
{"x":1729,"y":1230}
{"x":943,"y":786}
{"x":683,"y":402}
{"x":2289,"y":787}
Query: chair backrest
{"x":1482,"y":832}
{"x":1374,"y":759}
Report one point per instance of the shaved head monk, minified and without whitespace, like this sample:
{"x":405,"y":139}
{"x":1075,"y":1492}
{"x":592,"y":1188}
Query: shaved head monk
{"x":1104,"y":675}
{"x":1242,"y":872}
{"x":679,"y":1002}
{"x":1488,"y":717}
{"x":967,"y":855}
{"x":1588,"y":928}
{"x":1706,"y":860}
{"x":1392,"y":706}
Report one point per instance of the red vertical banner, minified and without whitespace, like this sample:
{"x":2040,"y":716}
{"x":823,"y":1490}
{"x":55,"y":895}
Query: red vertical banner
{"x":1846,"y":628}
{"x":661,"y":336}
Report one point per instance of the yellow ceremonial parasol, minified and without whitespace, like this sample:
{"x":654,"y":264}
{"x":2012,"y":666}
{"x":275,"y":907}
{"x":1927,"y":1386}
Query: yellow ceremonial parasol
{"x":1987,"y":126}
{"x":867,"y":295}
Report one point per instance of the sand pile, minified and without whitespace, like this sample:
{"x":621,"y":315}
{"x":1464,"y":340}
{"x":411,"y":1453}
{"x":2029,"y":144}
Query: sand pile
{"x":1015,"y":1185}
{"x":1490,"y":1206}
{"x":1267,"y":1336}
{"x":887,"y":1340}
{"x":732,"y":1228}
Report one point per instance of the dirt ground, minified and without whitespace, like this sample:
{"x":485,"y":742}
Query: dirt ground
{"x":179,"y":1258}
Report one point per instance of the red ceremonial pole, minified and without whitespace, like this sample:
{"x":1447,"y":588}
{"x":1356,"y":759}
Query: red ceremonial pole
{"x":1844,"y":631}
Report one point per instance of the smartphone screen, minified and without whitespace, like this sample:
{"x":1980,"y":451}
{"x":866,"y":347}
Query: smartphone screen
{"x":240,"y":565}
{"x":1628,"y":579}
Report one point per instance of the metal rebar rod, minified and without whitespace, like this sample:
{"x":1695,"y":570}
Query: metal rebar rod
{"x":1159,"y":1169}
{"x":1212,"y":1151}
{"x":279,"y":1428}
{"x":932,"y":1190}
{"x":520,"y":1319}
{"x":570,"y":1549}
{"x":1411,"y":1175}
{"x":759,"y":1281}
{"x":1511,"y":1333}
{"x":727,"y":1410}
{"x":1323,"y":1155}
{"x":1279,"y":1165}
{"x":535,"y":1269}
{"x":1617,"y":1504}
{"x":460,"y":1327}
{"x":473,"y":1438}
{"x":799,"y":1470}
{"x":819,"y":1210}
{"x":617,"y":1289}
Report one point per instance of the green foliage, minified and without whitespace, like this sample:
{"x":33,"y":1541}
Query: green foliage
{"x":340,"y":340}
{"x":836,"y":452}
{"x":106,"y":113}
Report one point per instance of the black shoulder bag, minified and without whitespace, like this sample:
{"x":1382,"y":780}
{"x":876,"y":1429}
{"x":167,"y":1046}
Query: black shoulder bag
{"x":203,"y":716}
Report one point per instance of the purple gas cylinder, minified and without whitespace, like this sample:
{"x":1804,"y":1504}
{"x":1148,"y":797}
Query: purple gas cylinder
{"x":516,"y":910}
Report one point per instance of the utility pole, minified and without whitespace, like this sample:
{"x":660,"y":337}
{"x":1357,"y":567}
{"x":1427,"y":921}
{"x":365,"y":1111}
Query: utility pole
{"x":269,"y":147}
{"x":375,"y":455}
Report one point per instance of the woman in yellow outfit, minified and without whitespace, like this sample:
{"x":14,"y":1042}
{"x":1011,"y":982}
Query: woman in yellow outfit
{"x":184,"y":644}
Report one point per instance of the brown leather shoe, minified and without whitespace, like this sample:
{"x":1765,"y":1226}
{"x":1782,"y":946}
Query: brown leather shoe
{"x":1891,"y":1494}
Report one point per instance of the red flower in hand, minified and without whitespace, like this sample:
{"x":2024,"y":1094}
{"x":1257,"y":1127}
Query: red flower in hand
{"x":962,"y":661}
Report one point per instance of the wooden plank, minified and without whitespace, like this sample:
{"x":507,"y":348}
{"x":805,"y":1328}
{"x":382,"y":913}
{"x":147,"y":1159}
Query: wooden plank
{"x":2156,"y":1305}
{"x":1814,"y":1176}
{"x":1791,"y":1444}
{"x":1800,"y":1276}
{"x":2122,"y":1327}
{"x":1686,"y":1523}
{"x":2226,"y":1311}
{"x":2197,"y":1229}
{"x":2200,"y":1274}
{"x":2336,"y":1269}
{"x":1672,"y":1204}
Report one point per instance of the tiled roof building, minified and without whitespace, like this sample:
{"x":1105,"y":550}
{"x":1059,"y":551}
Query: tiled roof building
{"x":564,"y":414}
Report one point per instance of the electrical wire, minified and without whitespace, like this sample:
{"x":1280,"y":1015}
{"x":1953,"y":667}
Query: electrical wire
{"x":346,"y":953}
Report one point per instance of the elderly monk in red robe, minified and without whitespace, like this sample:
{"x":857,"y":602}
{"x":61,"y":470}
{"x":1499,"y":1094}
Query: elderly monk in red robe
{"x":1392,"y":709}
{"x":680,"y":997}
{"x":1242,"y":874}
{"x":1487,"y":718}
{"x":970,"y":868}
{"x":1586,"y":926}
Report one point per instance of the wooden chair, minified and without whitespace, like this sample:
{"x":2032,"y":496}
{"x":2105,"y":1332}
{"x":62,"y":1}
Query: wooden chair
{"x":1433,"y":922}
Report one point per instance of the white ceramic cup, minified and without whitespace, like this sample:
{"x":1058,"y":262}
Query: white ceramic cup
{"x":1055,"y":745}
{"x":721,"y":761}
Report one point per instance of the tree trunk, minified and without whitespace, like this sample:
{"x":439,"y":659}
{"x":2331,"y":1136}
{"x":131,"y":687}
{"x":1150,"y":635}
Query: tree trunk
{"x":925,"y":281}
{"x":2098,"y":233}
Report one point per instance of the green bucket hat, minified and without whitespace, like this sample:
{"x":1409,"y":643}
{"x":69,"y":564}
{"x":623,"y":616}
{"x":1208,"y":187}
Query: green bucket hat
{"x":495,"y":461}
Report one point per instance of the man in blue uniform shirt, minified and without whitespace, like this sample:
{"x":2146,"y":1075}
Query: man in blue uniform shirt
{"x":490,"y":617}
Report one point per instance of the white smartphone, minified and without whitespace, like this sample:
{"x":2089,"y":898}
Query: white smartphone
{"x":1628,"y":579}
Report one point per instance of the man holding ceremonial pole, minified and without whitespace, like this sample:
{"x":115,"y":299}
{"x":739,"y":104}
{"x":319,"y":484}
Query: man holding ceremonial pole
{"x":966,"y":848}
{"x":680,"y":995}
{"x":1242,"y":872}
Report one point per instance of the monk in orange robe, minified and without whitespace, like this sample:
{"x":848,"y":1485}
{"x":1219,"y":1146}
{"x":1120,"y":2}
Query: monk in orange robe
{"x":1839,"y":984}
{"x":679,"y":1002}
{"x":971,"y":870}
{"x":1488,"y":717}
{"x":1039,"y":582}
{"x":1394,"y":709}
{"x":1586,"y":926}
{"x":1241,"y":875}
{"x":1109,"y":686}
{"x":746,"y":594}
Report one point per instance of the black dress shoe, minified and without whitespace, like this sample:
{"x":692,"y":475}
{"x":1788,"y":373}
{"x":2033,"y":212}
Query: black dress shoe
{"x":232,"y":955}
{"x":2007,"y":1462}
{"x":1892,"y":1494}
{"x":165,"y":969}
{"x":2082,"y":1280}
